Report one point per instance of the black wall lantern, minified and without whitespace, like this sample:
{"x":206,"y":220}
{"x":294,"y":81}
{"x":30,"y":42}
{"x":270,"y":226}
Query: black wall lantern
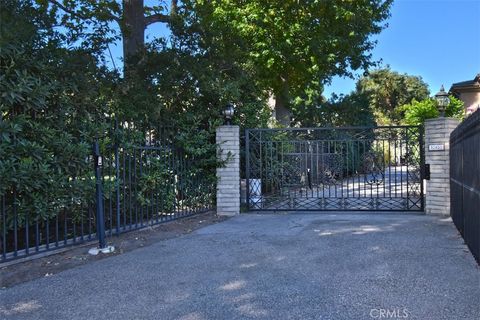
{"x":442,"y":101}
{"x":228,"y":113}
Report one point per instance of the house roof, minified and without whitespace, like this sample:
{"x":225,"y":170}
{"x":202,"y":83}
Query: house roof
{"x":470,"y":84}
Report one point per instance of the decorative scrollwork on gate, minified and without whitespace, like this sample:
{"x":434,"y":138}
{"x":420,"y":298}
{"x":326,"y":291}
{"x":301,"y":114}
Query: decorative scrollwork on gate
{"x":373,"y":168}
{"x":330,"y":170}
{"x":365,"y":168}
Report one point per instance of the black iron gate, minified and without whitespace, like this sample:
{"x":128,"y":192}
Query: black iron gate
{"x":351,"y":168}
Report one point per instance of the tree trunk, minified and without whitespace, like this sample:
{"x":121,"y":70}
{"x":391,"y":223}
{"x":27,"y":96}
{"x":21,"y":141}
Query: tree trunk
{"x":133,"y":32}
{"x":282,"y":111}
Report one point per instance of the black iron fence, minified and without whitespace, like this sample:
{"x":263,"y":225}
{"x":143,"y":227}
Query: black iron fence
{"x":144,"y":180}
{"x":465,"y":181}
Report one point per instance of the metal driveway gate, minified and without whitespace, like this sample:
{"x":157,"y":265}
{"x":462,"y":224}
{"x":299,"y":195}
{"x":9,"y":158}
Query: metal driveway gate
{"x":351,"y":168}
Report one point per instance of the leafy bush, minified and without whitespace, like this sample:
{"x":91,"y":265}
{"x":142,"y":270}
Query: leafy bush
{"x":50,"y":107}
{"x":418,"y":111}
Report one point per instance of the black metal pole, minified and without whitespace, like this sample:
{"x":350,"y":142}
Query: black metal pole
{"x":99,"y":195}
{"x":421,"y":142}
{"x":309,"y":176}
{"x":117,"y":178}
{"x":247,"y":165}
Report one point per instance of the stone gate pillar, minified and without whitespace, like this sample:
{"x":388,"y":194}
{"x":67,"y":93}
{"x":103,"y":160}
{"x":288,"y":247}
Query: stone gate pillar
{"x":437,"y":189}
{"x":228,"y":176}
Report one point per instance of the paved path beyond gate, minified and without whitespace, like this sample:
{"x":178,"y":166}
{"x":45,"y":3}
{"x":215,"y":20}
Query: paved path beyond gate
{"x":295,"y":266}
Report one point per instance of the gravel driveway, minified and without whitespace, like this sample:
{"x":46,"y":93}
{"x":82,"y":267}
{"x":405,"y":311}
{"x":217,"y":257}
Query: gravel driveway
{"x":295,"y":266}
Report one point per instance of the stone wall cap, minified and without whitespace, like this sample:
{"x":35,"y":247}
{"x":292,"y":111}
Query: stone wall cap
{"x":443,"y":119}
{"x":226,"y":126}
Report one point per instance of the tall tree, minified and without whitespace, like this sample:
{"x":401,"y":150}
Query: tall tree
{"x":133,"y":17}
{"x":136,"y":18}
{"x":298,"y":44}
{"x":339,"y":111}
{"x":388,"y":90}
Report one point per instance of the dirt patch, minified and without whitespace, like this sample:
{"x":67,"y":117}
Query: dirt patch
{"x":78,"y":255}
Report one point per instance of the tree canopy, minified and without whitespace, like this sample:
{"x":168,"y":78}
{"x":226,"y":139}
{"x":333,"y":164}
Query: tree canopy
{"x":295,"y":46}
{"x":248,"y":49}
{"x":105,"y":21}
{"x":388,"y":90}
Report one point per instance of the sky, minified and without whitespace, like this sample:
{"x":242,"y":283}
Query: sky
{"x":438,"y":40}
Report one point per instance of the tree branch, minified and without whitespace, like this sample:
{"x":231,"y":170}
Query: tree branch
{"x":158,"y":17}
{"x":173,"y":7}
{"x":67,"y":10}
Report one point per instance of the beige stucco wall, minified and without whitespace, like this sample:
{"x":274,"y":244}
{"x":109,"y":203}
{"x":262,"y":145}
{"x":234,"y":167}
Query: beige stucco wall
{"x":471,"y":100}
